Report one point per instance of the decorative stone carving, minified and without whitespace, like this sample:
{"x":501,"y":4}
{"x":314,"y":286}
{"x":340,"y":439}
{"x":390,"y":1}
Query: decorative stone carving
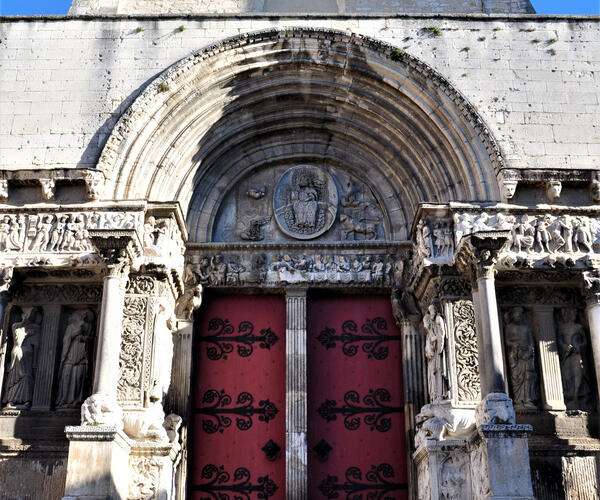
{"x":256,"y":193}
{"x":434,"y":240}
{"x":75,"y":359}
{"x":351,"y":269}
{"x":146,"y":424}
{"x":172,"y":424}
{"x":364,"y":226}
{"x":508,"y":188}
{"x":305,"y":202}
{"x":253,"y":231}
{"x":453,"y":477}
{"x":465,"y":352}
{"x":101,"y":409}
{"x":3,"y":190}
{"x":495,"y":408}
{"x":191,"y":298}
{"x":572,"y":345}
{"x":480,"y":480}
{"x":553,"y":190}
{"x":520,"y":348}
{"x":59,"y":293}
{"x":129,"y":387}
{"x":145,"y":478}
{"x":20,"y":374}
{"x":48,"y":188}
{"x":595,"y":187}
{"x":441,"y":422}
{"x":435,"y":345}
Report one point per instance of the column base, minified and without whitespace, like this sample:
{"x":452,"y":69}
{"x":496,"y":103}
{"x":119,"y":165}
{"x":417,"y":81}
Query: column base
{"x":98,"y":465}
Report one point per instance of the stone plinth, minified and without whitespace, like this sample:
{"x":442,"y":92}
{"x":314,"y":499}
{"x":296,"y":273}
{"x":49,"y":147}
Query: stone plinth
{"x":98,"y":466}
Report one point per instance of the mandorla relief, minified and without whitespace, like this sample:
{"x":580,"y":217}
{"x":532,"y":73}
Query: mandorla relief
{"x":543,"y":239}
{"x":305,"y":202}
{"x":75,"y":360}
{"x":521,"y":359}
{"x":20,"y":373}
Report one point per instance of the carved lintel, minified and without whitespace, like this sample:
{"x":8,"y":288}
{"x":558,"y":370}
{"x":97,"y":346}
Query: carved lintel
{"x":48,"y":188}
{"x":591,"y":285}
{"x":553,"y":189}
{"x":3,"y":190}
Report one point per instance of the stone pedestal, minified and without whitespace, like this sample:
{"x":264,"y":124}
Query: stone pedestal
{"x":500,"y":462}
{"x":98,"y":467}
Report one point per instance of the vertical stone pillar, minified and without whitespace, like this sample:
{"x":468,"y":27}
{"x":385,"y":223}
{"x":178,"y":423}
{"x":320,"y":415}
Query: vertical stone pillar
{"x":551,"y":383}
{"x":98,"y":465}
{"x":591,"y":281}
{"x":6,"y":275}
{"x":295,"y":386}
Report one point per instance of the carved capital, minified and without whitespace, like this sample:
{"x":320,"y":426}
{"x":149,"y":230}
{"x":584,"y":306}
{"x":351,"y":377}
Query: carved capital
{"x":481,"y":251}
{"x":117,"y":249}
{"x":6,"y":276}
{"x":591,"y":285}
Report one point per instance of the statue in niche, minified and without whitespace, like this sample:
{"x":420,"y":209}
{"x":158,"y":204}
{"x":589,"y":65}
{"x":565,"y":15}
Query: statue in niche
{"x":521,"y":359}
{"x":434,"y":352}
{"x":572,"y":346}
{"x":75,"y":359}
{"x":20,"y":376}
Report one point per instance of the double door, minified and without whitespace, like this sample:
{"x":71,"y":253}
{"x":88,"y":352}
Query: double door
{"x":355,"y":444}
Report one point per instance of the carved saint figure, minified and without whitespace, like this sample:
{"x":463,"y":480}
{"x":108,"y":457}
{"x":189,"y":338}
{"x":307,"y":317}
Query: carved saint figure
{"x":20,"y":375}
{"x":572,"y":345}
{"x":305,"y":203}
{"x":4,"y":232}
{"x":75,"y":359}
{"x":582,"y":239}
{"x":521,"y":359}
{"x":42,"y":237}
{"x":434,"y":352}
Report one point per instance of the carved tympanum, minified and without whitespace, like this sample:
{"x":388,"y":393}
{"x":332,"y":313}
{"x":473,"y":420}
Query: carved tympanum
{"x":20,"y":374}
{"x":520,"y":349}
{"x":75,"y":359}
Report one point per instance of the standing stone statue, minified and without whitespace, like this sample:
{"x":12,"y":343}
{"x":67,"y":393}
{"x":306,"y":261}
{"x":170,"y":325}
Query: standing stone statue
{"x":20,"y":376}
{"x":521,"y":359}
{"x":572,"y":346}
{"x":75,"y":359}
{"x":434,"y":352}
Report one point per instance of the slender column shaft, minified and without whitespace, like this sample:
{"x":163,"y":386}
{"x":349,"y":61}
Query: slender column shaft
{"x":296,"y":424}
{"x":593,"y":316}
{"x":106,"y":373}
{"x":490,"y":352}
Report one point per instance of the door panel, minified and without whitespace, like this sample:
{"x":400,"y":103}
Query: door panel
{"x":356,"y":439}
{"x":239,"y":399}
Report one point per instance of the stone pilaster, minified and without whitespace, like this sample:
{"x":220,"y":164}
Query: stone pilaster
{"x":591,"y":281}
{"x":295,"y":380}
{"x":42,"y":394}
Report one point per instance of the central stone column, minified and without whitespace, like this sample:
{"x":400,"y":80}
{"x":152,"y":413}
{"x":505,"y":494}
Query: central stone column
{"x":295,"y":387}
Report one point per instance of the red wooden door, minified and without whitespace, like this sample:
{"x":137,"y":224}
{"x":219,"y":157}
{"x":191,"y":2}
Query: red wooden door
{"x":356,"y":440}
{"x":239,"y":400}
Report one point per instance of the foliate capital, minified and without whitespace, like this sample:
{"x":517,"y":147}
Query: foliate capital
{"x":482,"y":249}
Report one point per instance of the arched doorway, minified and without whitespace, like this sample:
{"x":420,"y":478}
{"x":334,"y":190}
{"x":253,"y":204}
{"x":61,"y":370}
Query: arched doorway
{"x":300,"y":158}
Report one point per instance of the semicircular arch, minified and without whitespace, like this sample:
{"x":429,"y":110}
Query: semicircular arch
{"x":285,"y":97}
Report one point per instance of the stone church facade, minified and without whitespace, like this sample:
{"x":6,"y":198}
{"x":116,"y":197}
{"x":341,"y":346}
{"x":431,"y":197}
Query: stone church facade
{"x":249,"y":253}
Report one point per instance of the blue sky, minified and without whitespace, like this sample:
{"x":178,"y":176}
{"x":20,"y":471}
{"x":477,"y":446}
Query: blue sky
{"x":36,"y":7}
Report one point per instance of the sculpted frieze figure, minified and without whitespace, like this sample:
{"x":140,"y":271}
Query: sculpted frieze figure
{"x":305,"y":202}
{"x":75,"y":359}
{"x":435,"y":244}
{"x":435,"y":343}
{"x":254,"y":231}
{"x":520,"y":347}
{"x":572,"y":345}
{"x":20,"y":375}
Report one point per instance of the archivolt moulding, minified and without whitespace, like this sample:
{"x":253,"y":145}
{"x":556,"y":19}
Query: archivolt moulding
{"x":280,"y":97}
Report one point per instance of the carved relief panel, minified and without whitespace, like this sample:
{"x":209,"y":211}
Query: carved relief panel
{"x":303,"y":202}
{"x":48,"y":347}
{"x":547,"y":348}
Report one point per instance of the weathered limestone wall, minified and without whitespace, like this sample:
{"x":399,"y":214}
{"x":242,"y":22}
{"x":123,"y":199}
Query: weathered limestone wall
{"x":65,"y":82}
{"x":333,"y":6}
{"x":33,"y":476}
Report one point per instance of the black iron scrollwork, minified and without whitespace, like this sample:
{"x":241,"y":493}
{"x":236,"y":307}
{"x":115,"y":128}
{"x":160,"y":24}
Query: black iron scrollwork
{"x":376,"y":410}
{"x":372,"y":337}
{"x":221,"y":487}
{"x":377,"y":485}
{"x":217,"y":403}
{"x":224,"y":337}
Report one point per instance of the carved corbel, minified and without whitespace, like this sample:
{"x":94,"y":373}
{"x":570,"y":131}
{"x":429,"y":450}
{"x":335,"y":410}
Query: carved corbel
{"x":48,"y":188}
{"x":3,"y":190}
{"x":595,"y":186}
{"x":509,"y":179}
{"x":553,"y":189}
{"x":94,"y":184}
